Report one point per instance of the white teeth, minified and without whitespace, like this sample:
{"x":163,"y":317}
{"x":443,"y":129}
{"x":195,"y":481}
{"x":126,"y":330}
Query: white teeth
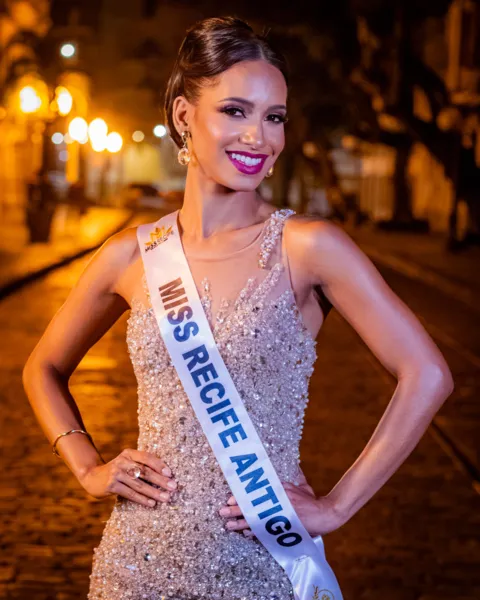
{"x":246,"y":159}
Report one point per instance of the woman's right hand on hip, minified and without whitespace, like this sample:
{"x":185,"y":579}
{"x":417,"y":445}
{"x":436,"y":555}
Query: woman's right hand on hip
{"x":113,"y":478}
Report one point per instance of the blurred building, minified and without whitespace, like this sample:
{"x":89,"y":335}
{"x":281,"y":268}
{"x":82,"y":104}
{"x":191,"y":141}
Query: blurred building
{"x":428,"y":111}
{"x":113,"y":58}
{"x":453,"y":51}
{"x":43,"y":49}
{"x":68,"y":51}
{"x":135,"y":46}
{"x":23,"y":25}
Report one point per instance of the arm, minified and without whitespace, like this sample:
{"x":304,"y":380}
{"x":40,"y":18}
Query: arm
{"x":395,"y":336}
{"x":91,"y":308}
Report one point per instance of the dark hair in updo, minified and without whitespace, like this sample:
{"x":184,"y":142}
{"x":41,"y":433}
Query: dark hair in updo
{"x":210,"y":47}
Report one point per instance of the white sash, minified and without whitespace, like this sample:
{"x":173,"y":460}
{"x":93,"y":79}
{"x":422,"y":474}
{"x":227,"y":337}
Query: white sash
{"x":223,"y":416}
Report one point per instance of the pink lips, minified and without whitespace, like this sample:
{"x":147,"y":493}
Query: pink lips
{"x":248,"y":169}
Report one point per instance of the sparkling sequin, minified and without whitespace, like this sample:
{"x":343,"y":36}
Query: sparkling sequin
{"x":273,"y":230}
{"x":181,"y":549}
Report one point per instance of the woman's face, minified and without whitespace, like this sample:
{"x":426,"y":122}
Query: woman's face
{"x":237,"y":126}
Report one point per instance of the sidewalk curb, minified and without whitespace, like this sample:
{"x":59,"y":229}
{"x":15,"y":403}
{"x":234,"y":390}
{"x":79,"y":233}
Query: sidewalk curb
{"x":18,"y":282}
{"x":455,"y":290}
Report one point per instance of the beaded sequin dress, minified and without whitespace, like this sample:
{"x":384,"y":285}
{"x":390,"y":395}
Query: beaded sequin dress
{"x":181,"y":549}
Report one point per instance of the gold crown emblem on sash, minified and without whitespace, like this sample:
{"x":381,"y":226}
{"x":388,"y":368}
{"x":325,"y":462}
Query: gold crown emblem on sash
{"x":322,"y":594}
{"x":157,"y":236}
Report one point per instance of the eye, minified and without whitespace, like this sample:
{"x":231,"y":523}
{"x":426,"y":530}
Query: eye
{"x":281,"y":118}
{"x":230,"y":110}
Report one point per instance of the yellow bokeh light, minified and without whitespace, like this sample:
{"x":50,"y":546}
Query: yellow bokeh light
{"x":138,"y":136}
{"x":99,"y":144}
{"x":30,"y":101}
{"x":78,"y":129}
{"x":159,"y":130}
{"x":64,"y":100}
{"x":114,"y":142}
{"x":97,"y":129}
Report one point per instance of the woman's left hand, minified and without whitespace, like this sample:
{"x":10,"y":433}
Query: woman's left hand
{"x":316,"y":514}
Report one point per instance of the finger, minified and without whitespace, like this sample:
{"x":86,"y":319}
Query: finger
{"x":231,"y":511}
{"x":142,"y":488}
{"x":236,"y":525}
{"x":149,"y":459}
{"x":127,"y":492}
{"x":248,"y":533}
{"x":149,"y":474}
{"x":231,"y":501}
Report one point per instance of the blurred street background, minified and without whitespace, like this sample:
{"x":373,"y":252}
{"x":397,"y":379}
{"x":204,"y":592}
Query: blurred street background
{"x":383,"y":139}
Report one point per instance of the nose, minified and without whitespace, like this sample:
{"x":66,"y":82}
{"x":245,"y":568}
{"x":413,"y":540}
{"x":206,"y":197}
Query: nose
{"x":253,"y":135}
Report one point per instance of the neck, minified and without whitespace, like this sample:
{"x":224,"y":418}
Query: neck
{"x":209,"y":209}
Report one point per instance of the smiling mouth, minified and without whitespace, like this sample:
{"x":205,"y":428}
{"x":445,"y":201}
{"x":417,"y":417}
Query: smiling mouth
{"x":249,"y":164}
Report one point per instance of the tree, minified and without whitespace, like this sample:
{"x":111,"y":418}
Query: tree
{"x":391,"y":69}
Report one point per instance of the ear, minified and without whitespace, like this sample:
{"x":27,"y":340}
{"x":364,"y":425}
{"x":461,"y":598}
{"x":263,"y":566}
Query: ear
{"x":181,"y":113}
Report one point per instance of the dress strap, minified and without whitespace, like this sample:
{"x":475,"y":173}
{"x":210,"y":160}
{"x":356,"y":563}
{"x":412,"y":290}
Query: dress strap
{"x":271,"y":234}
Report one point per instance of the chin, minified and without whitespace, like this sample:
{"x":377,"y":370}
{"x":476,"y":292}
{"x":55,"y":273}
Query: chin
{"x":242,"y":186}
{"x":240,"y":183}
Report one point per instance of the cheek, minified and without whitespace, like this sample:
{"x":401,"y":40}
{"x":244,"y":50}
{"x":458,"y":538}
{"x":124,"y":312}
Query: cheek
{"x":277,"y":139}
{"x":216,"y":134}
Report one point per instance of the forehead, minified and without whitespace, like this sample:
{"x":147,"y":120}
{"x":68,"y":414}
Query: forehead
{"x":257,"y":81}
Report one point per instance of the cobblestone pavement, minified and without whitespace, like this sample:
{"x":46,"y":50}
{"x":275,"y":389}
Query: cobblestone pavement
{"x":417,"y":539}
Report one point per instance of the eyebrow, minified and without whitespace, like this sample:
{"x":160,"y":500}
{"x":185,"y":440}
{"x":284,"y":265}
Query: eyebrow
{"x":251,"y":104}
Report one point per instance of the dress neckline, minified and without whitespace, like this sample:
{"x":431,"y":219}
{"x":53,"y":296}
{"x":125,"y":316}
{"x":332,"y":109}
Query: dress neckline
{"x":224,"y":255}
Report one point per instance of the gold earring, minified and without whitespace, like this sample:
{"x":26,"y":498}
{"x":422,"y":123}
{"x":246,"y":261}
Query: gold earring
{"x":269,"y":173}
{"x":184,"y":153}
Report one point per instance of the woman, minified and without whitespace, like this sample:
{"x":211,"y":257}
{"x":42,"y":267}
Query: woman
{"x":175,"y":529}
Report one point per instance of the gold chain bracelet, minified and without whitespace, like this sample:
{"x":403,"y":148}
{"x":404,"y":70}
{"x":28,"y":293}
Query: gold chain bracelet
{"x":67,"y":433}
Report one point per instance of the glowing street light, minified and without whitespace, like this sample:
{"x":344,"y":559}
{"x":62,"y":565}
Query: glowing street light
{"x":159,"y":131}
{"x":99,"y":144}
{"x":68,"y":50}
{"x":138,"y":136}
{"x":30,"y":101}
{"x":64,"y":100}
{"x":114,"y":142}
{"x":78,"y":129}
{"x":97,"y":132}
{"x":97,"y":129}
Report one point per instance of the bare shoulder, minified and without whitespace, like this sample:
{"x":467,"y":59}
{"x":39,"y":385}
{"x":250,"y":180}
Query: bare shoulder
{"x":122,"y":246}
{"x":113,"y":258}
{"x":311,"y":231}
{"x":320,"y":247}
